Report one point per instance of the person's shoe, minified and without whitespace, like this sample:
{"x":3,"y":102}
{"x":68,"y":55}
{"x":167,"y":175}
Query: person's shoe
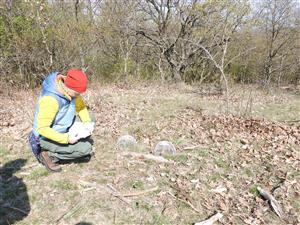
{"x":47,"y":162}
{"x":86,"y":158}
{"x":92,"y":154}
{"x":83,"y":159}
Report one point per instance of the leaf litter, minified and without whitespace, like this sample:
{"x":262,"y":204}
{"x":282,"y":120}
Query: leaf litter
{"x":220,"y":160}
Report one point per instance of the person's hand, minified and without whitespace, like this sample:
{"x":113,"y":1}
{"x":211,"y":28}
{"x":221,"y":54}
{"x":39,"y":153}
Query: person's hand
{"x":73,"y":138}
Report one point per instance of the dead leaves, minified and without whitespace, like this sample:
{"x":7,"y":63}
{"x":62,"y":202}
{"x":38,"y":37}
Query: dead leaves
{"x":222,"y":156}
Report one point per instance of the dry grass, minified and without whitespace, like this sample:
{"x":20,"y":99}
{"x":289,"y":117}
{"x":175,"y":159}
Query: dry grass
{"x":238,"y":153}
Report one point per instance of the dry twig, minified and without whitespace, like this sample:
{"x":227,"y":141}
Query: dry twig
{"x":110,"y":188}
{"x":66,"y":212}
{"x":191,"y":147}
{"x":211,"y":220}
{"x":16,"y":209}
{"x":272,"y":201}
{"x":140,"y":192}
{"x":117,"y":194}
{"x":158,"y":159}
{"x":186,"y":202}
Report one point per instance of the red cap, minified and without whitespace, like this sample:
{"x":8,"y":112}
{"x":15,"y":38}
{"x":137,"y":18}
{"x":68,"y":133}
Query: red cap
{"x":76,"y":80}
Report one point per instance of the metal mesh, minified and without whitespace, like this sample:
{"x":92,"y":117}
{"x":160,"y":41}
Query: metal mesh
{"x":164,"y":148}
{"x":125,"y":142}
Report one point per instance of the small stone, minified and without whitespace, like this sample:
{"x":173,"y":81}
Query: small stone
{"x":244,"y":141}
{"x":245,"y":146}
{"x":150,"y":179}
{"x":195,"y":181}
{"x":219,"y":189}
{"x":173,"y":179}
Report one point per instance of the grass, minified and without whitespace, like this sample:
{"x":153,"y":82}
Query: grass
{"x":153,"y":114}
{"x":178,"y":158}
{"x":144,"y":205}
{"x":249,"y":172}
{"x":135,"y":184}
{"x":215,"y":177}
{"x":110,"y":173}
{"x":222,"y":164}
{"x":63,"y":185}
{"x":34,"y":197}
{"x":4,"y":153}
{"x":253,"y":190}
{"x":203,"y":152}
{"x":158,"y":220}
{"x":38,"y":173}
{"x":288,"y":111}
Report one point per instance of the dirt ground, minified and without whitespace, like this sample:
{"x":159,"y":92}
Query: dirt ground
{"x":221,"y":159}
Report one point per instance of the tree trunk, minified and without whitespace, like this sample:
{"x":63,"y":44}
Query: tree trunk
{"x":268,"y":73}
{"x":280,"y":71}
{"x":161,"y":71}
{"x":126,"y":63}
{"x":226,"y":90}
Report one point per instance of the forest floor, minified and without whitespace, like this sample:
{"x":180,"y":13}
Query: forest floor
{"x":221,"y":159}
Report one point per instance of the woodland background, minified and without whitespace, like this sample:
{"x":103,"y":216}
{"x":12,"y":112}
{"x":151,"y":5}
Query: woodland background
{"x":228,"y":41}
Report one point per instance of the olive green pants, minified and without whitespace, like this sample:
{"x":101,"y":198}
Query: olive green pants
{"x":68,"y":151}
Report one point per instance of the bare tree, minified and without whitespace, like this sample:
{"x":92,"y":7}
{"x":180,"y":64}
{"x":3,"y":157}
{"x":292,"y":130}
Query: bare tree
{"x":169,"y":26}
{"x":119,"y":39}
{"x":173,"y":39}
{"x":183,"y":31}
{"x":279,"y":32}
{"x":222,"y":25}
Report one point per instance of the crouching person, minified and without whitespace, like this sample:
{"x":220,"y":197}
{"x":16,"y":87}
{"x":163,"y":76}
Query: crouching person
{"x":59,"y":105}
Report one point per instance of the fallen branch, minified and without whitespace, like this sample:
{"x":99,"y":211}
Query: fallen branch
{"x":191,"y":147}
{"x":16,"y":209}
{"x":67,"y":212}
{"x":186,"y":202}
{"x":117,"y":194}
{"x":272,"y":201}
{"x":109,"y":188}
{"x":90,"y":185}
{"x":140,"y":192}
{"x":88,"y":189}
{"x":31,"y":166}
{"x":211,"y":220}
{"x":290,"y":121}
{"x":158,"y":159}
{"x":219,"y":189}
{"x":194,"y":109}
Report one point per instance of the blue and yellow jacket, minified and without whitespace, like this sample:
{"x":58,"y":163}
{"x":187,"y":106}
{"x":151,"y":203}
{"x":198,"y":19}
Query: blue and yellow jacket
{"x":55,"y":111}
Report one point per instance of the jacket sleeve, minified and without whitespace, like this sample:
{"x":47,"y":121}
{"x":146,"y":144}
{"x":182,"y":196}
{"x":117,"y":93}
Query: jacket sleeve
{"x":48,"y":107}
{"x":82,"y":110}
